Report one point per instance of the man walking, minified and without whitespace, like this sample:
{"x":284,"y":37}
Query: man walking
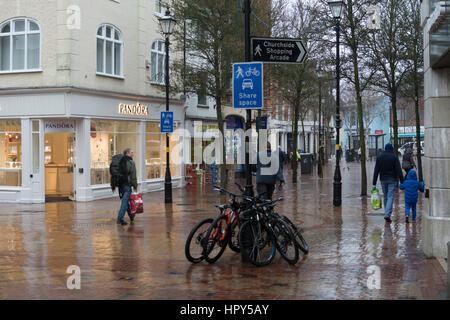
{"x":388,"y":167}
{"x":268,"y":171}
{"x":128,"y":170}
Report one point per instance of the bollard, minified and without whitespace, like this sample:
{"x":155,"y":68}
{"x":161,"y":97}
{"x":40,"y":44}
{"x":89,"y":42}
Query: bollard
{"x":448,"y":270}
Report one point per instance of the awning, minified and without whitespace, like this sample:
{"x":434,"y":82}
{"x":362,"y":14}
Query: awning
{"x":409,"y":135}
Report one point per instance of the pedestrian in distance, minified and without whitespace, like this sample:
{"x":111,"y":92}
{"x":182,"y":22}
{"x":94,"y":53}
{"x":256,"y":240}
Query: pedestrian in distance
{"x":282,"y":159}
{"x":387,"y":166}
{"x":411,"y":186}
{"x":408,"y":160}
{"x":268,"y":173}
{"x":127,"y":168}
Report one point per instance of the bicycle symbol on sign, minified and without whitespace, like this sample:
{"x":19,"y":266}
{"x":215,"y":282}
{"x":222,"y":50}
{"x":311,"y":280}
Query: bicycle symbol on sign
{"x":252,"y":71}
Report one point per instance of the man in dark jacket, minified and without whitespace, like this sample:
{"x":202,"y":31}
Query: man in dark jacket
{"x":128,"y":169}
{"x":408,"y":160}
{"x":388,"y":167}
{"x":268,"y":171}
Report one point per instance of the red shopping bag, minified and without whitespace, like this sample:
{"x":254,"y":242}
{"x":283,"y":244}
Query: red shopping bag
{"x":136,"y":203}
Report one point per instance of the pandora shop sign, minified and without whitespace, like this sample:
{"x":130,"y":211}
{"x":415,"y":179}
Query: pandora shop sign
{"x":54,"y":126}
{"x":133,"y":109}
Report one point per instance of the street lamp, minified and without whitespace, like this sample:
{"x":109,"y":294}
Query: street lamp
{"x":167,"y":24}
{"x":337,"y":10}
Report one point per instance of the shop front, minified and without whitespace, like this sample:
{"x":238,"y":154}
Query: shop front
{"x":58,"y":145}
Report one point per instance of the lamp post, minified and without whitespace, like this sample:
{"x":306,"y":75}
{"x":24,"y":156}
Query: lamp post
{"x":337,"y":10}
{"x":167,"y":24}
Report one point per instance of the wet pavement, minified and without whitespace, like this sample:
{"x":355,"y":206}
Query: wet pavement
{"x":146,"y":260}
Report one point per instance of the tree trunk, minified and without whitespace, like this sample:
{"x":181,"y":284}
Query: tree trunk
{"x":314,"y":139}
{"x":394,"y":119}
{"x":354,"y":48}
{"x":295,"y":142}
{"x":303,"y":136}
{"x":220,"y":122}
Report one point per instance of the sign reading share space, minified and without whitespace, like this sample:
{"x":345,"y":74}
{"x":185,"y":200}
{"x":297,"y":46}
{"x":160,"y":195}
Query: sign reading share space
{"x":248,"y":85}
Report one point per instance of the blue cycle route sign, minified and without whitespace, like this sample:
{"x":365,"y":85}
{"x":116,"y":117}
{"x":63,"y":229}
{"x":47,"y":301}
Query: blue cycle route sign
{"x":166,"y":124}
{"x":248,"y":88}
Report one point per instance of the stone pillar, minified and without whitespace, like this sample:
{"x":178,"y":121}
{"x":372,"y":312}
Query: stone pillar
{"x":436,"y":215}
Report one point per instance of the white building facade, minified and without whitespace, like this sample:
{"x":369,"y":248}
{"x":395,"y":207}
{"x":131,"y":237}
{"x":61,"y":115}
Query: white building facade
{"x":80,"y":81}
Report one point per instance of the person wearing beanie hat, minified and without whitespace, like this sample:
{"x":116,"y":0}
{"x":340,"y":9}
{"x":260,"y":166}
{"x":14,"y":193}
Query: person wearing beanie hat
{"x":388,"y":168}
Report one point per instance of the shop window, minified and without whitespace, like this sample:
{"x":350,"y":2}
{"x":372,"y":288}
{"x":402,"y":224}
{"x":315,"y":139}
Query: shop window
{"x":20,"y":45}
{"x":155,"y":154}
{"x":158,"y":62}
{"x":10,"y":153}
{"x":109,"y":138}
{"x":35,"y":146}
{"x":109,"y":51}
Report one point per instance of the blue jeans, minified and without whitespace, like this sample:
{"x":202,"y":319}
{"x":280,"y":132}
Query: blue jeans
{"x":125,"y":205}
{"x":410,"y":206}
{"x":388,"y":197}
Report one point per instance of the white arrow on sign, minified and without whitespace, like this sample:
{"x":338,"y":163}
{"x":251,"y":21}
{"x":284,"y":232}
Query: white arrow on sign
{"x":302,"y":54}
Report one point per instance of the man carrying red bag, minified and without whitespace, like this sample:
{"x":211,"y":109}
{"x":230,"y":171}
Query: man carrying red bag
{"x":128,"y":170}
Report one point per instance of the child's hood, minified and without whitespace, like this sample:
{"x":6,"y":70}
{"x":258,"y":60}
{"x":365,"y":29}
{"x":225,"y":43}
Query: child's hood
{"x":412,"y":175}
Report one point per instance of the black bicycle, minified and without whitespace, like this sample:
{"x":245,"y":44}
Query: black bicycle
{"x":263,"y":232}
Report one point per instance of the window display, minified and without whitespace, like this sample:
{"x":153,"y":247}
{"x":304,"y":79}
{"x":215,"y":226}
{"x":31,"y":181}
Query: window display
{"x":10,"y":153}
{"x":155,"y":152}
{"x":107,"y":139}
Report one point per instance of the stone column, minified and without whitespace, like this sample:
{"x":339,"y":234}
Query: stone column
{"x":436,"y":215}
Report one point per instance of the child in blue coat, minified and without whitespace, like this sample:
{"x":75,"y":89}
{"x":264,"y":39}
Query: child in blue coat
{"x":411,"y":186}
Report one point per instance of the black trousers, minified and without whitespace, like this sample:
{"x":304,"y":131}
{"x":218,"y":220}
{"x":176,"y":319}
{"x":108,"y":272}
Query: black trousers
{"x":265,"y":190}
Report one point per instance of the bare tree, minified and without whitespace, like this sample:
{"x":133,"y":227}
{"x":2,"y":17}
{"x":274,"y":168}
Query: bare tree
{"x":298,"y":82}
{"x":412,"y":87}
{"x":388,"y":55}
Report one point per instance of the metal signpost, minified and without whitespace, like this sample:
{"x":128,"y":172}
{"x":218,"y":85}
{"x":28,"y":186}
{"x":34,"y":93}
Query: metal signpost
{"x":278,"y":50}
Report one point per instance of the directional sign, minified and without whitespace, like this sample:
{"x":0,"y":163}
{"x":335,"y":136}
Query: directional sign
{"x":276,"y":50}
{"x":166,"y":125}
{"x":248,"y":85}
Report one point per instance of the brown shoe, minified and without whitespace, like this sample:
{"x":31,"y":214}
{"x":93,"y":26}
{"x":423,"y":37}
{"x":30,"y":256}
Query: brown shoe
{"x":407,"y":220}
{"x":387,"y":219}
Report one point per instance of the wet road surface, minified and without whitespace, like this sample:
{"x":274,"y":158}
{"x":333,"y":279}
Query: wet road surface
{"x":146,"y":260}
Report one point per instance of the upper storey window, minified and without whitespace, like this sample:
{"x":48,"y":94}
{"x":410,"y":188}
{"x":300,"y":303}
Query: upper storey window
{"x":158,"y":62}
{"x":20,"y":45}
{"x":109,"y":51}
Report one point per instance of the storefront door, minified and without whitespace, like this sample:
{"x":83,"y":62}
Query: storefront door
{"x":59,"y":165}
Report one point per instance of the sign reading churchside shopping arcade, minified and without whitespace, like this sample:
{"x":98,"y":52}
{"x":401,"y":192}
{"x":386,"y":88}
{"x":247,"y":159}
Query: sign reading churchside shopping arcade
{"x":278,"y":50}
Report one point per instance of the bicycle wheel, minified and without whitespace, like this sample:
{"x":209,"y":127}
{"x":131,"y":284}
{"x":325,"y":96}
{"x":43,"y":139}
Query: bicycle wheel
{"x":194,"y":248}
{"x":217,"y":239}
{"x":233,"y":239}
{"x":298,"y":237}
{"x":284,"y":241}
{"x":256,"y":243}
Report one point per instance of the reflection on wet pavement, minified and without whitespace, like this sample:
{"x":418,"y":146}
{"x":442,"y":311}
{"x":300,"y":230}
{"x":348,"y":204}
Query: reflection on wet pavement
{"x":146,"y":260}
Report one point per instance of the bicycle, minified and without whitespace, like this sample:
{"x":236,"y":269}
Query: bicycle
{"x":222,"y":231}
{"x":267,"y":228}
